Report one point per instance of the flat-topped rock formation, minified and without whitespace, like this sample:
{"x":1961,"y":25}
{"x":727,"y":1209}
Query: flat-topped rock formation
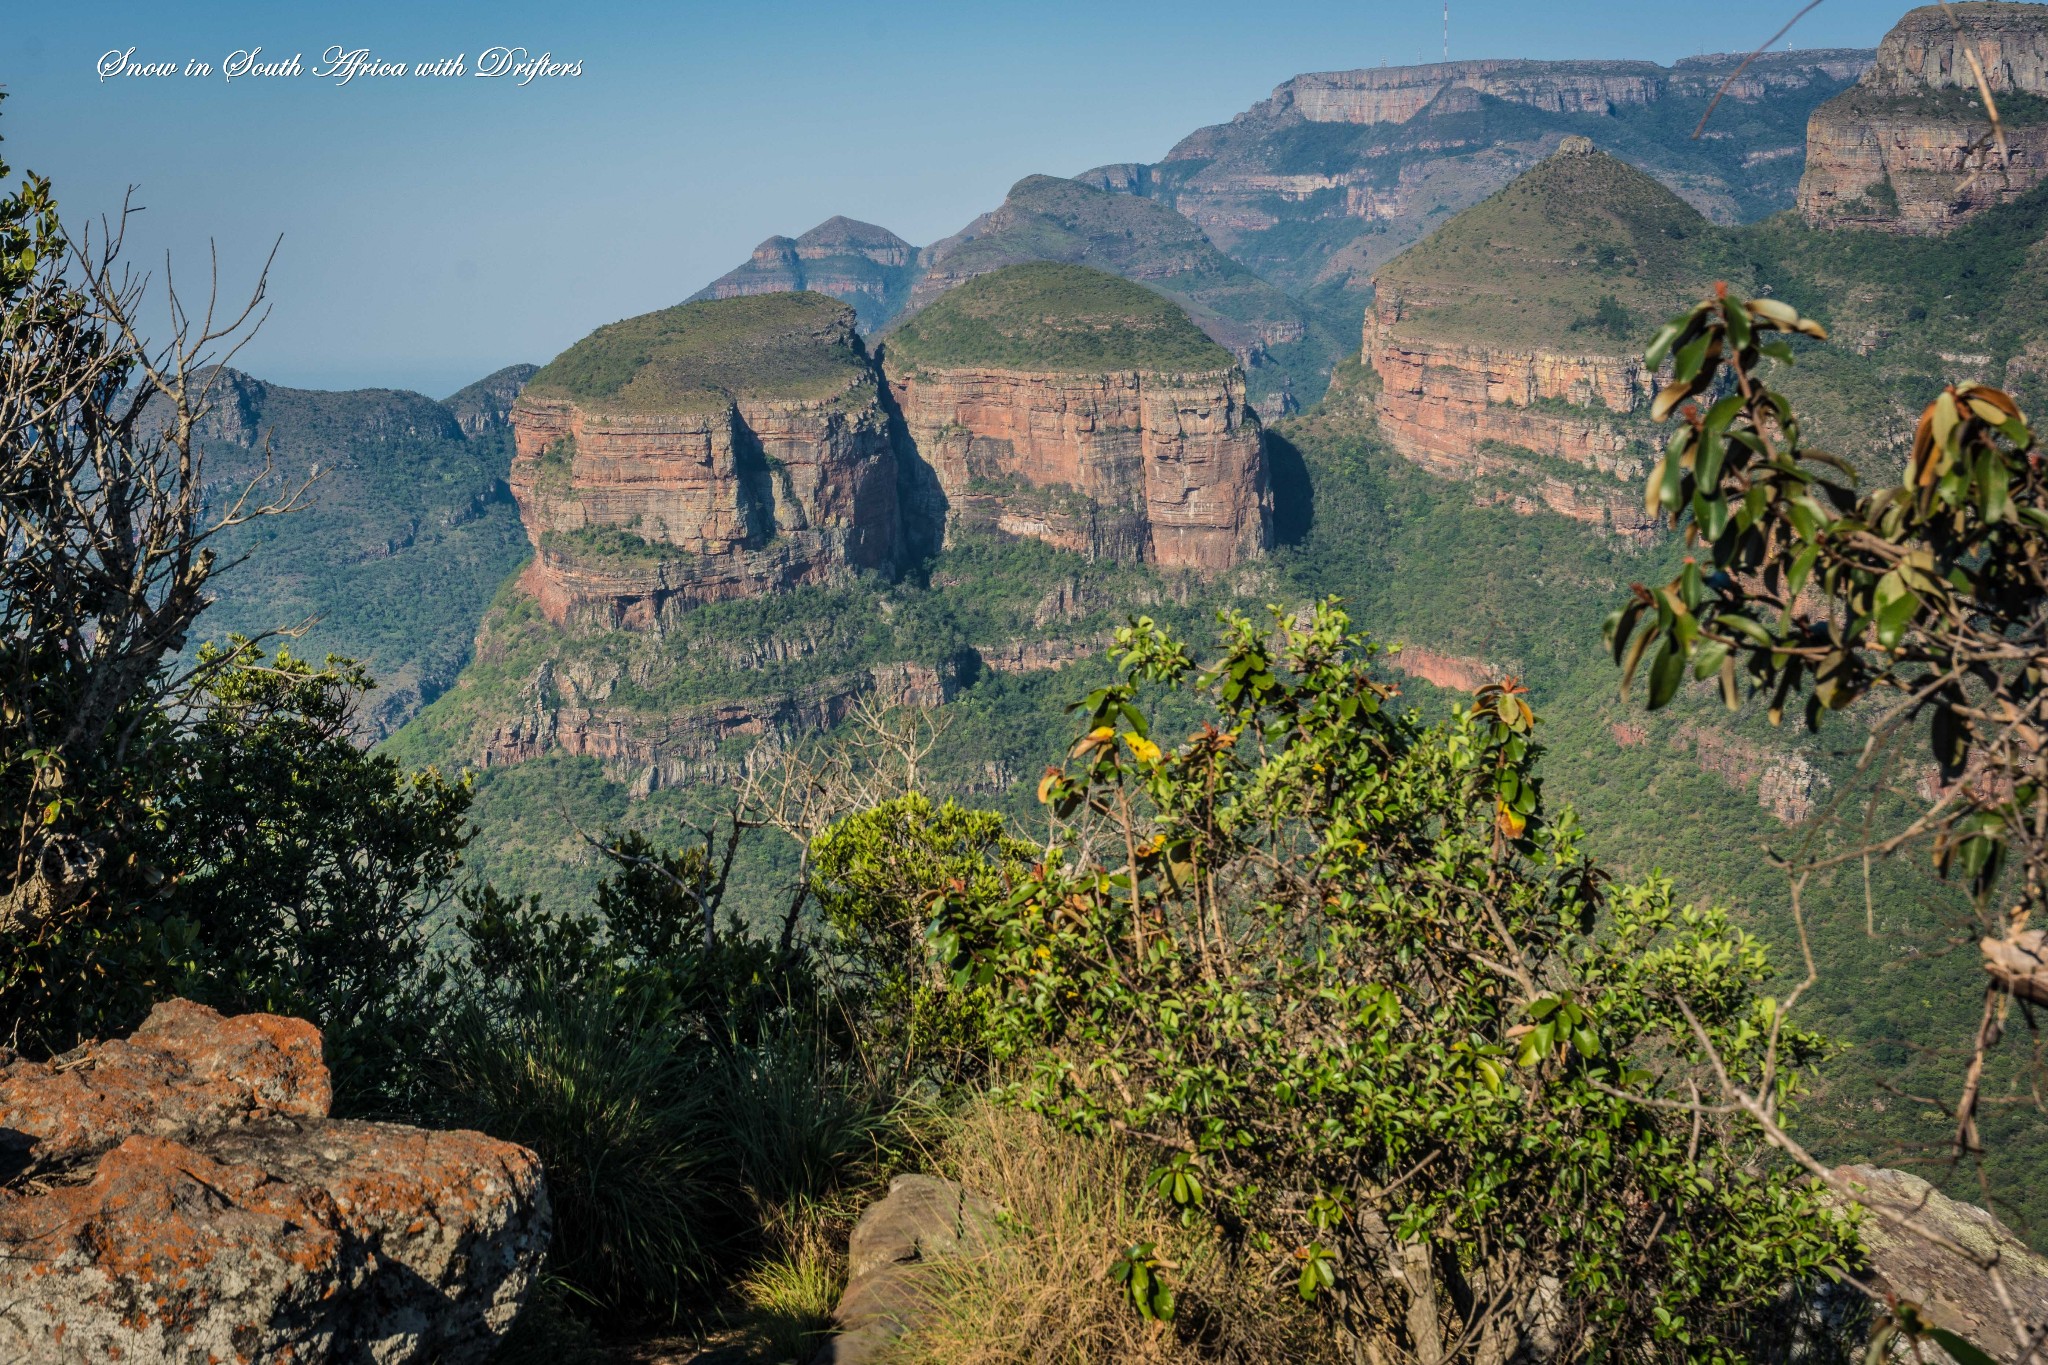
{"x":705,"y":452}
{"x":1068,"y":405}
{"x":1908,"y":149}
{"x":1395,"y":94}
{"x":1506,"y":344}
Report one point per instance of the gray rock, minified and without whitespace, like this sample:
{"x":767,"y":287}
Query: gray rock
{"x":924,"y":1220}
{"x":1952,"y":1292}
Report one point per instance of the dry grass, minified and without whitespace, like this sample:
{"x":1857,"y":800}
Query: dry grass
{"x":1072,"y":1206}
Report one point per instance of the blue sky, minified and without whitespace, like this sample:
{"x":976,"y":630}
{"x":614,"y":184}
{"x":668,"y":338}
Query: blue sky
{"x":434,"y":230}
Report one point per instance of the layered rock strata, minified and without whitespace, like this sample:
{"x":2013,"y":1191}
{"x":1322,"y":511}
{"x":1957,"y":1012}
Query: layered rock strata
{"x":714,"y":485}
{"x":635,"y":514}
{"x":182,"y":1194}
{"x":576,"y":708}
{"x":1397,"y":94}
{"x":1474,"y":339}
{"x":1909,"y":148}
{"x":1472,"y":412}
{"x":1158,"y":468}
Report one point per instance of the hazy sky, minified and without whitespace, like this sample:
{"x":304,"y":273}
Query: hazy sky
{"x":435,"y":229}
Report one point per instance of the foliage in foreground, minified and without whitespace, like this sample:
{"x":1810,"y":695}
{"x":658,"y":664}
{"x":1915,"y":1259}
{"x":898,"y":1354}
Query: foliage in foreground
{"x":1388,"y":1023}
{"x":1072,"y":1207}
{"x":1919,"y":599}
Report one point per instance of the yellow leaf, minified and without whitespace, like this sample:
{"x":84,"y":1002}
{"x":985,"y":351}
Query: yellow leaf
{"x":1667,"y":399}
{"x":1985,"y":412}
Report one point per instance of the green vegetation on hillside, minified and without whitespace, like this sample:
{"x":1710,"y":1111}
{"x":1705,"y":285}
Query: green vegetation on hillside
{"x":1583,"y":245}
{"x":1045,"y":218}
{"x":402,"y":497}
{"x":1050,"y":316}
{"x":705,"y":355}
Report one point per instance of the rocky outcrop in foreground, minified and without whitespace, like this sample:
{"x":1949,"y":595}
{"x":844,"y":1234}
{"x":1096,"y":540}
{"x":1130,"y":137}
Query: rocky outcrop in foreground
{"x":1950,"y":1291}
{"x":1907,"y":149}
{"x":181,"y":1194}
{"x":924,"y":1220}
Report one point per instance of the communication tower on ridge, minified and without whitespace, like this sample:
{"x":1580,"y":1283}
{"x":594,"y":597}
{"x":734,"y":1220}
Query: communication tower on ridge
{"x":1447,"y":30}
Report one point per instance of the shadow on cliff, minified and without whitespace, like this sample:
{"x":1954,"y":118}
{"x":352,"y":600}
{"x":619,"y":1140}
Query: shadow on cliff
{"x":1294,"y":498}
{"x":921,"y":503}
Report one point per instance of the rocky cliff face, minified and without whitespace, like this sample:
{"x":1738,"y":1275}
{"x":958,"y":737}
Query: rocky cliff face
{"x":715,"y":486}
{"x":1160,"y":468}
{"x":1908,"y":150}
{"x":1471,"y":336}
{"x":632,"y":515}
{"x":1397,"y":94}
{"x":1318,"y":186}
{"x":486,"y":406}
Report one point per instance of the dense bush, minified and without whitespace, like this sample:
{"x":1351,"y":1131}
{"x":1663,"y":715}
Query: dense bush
{"x":1388,"y":1025}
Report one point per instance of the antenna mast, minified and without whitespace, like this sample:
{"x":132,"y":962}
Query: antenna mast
{"x":1447,"y":30}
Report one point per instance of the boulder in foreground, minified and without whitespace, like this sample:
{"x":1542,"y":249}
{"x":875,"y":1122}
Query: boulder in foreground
{"x":182,"y":1194}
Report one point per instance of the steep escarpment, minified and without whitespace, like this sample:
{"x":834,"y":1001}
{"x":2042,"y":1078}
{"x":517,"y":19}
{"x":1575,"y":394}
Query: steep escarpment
{"x":1319,"y":186}
{"x":1064,"y":404}
{"x":868,"y":267}
{"x":1505,"y":345}
{"x":704,"y":486}
{"x":1909,"y":149}
{"x":392,"y":490}
{"x":703,"y":453}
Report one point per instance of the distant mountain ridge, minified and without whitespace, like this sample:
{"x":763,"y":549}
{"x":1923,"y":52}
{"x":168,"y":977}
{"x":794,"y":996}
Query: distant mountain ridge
{"x":1337,"y":172}
{"x":1268,"y":228}
{"x":866,"y":266}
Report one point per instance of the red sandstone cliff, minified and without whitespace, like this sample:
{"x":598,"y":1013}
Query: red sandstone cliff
{"x":1166,"y":469}
{"x":1490,"y":368}
{"x":1467,"y":411}
{"x":1907,"y":149}
{"x":702,"y":505}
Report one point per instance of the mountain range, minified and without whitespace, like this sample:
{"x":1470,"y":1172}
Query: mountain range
{"x":1377,"y":337}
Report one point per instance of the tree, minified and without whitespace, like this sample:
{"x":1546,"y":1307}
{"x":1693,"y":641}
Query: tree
{"x":1387,"y":1023}
{"x":313,"y":873}
{"x":107,"y":532}
{"x":1922,"y":600}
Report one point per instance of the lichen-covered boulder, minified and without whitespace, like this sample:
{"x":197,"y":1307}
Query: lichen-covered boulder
{"x":1951,"y":1291}
{"x":181,"y":1195}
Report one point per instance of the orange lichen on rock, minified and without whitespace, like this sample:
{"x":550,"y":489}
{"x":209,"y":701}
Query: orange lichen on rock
{"x":182,"y":1194}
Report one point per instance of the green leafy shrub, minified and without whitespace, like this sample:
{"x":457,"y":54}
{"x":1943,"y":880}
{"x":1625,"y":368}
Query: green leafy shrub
{"x":879,"y":875}
{"x":1399,"y":1031}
